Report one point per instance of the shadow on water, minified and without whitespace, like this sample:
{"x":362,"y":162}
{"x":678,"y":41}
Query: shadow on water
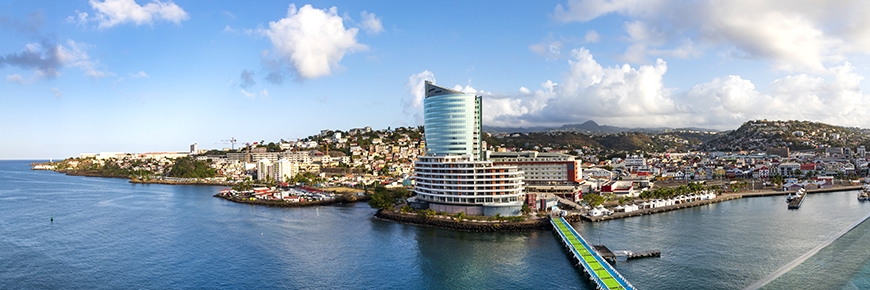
{"x":842,"y":263}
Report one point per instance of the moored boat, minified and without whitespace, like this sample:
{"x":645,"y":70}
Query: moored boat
{"x":864,"y":195}
{"x":797,"y":199}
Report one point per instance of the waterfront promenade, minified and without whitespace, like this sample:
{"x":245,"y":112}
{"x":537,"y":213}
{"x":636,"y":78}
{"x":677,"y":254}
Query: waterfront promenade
{"x":720,"y":198}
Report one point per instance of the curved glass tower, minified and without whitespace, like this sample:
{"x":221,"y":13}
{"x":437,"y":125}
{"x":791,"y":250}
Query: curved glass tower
{"x":453,"y":122}
{"x":453,"y":175}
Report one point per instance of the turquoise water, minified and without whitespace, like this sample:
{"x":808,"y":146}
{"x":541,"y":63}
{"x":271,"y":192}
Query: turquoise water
{"x":110,"y":234}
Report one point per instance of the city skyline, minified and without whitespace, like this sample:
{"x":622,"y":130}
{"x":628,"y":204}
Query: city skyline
{"x":137,"y":76}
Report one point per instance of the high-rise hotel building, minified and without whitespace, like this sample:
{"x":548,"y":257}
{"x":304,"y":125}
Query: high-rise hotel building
{"x":453,"y":177}
{"x":452,"y":120}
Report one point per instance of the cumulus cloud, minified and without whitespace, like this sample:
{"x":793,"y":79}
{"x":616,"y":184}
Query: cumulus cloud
{"x":312,"y":41}
{"x":412,"y":104}
{"x":732,"y":99}
{"x":371,"y":24}
{"x":247,"y":78}
{"x":247,"y":94}
{"x":109,"y":13}
{"x":619,"y":95}
{"x":264,"y":93}
{"x":636,"y":96}
{"x":525,"y":90}
{"x":803,"y":36}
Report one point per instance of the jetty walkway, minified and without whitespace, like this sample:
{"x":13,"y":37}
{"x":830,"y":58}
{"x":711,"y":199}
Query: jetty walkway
{"x":599,"y":271}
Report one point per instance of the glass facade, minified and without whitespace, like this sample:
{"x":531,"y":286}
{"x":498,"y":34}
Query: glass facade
{"x":453,"y":122}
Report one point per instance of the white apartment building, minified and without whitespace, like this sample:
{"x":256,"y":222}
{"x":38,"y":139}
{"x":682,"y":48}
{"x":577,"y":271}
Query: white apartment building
{"x":457,"y":183}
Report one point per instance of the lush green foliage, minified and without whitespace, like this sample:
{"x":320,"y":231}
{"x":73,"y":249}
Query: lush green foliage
{"x":593,"y":199}
{"x":187,"y":167}
{"x":307,"y":178}
{"x":383,"y":198}
{"x":669,"y":192}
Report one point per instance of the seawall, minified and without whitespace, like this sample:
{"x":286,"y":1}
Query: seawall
{"x":465,"y":225}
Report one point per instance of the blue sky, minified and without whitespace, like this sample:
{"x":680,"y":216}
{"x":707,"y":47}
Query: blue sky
{"x":139,"y":76}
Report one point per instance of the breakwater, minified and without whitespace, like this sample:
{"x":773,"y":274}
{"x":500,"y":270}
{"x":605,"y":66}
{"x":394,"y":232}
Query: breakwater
{"x":465,"y":225}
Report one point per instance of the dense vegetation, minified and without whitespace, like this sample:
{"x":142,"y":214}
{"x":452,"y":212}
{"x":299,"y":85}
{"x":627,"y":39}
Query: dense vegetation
{"x":187,"y":167}
{"x":796,"y":135}
{"x":603,"y":144}
{"x":384,"y":198}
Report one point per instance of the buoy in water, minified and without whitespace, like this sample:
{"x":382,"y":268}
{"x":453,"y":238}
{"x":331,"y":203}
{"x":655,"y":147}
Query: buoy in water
{"x":52,"y":219}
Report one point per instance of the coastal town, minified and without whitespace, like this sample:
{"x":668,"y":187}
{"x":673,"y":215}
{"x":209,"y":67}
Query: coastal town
{"x":583,"y":180}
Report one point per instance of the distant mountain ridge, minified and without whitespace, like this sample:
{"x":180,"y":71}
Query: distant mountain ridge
{"x":587,"y":127}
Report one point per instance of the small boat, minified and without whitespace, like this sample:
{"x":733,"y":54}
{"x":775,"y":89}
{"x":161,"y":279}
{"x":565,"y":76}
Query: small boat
{"x":797,"y":199}
{"x":864,"y":195}
{"x":793,"y":195}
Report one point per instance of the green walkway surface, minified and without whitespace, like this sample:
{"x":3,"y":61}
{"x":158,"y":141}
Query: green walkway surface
{"x":601,"y":272}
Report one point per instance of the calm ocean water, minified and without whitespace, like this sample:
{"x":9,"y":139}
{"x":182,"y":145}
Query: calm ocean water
{"x":110,"y":234}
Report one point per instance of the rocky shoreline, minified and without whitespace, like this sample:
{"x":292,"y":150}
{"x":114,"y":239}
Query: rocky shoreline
{"x":88,"y":174}
{"x":465,"y":225}
{"x":281,"y":203}
{"x":171,"y":182}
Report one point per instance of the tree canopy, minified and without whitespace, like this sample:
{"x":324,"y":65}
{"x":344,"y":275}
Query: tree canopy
{"x":187,"y":167}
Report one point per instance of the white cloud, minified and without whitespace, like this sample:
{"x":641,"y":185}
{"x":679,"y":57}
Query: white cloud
{"x":551,"y":49}
{"x":113,"y":12}
{"x":412,"y":104}
{"x":75,"y":55}
{"x":264,"y":93}
{"x":16,"y":78}
{"x":81,"y":18}
{"x":684,"y":51}
{"x":619,"y":95}
{"x":731,"y":100}
{"x":525,"y":91}
{"x":312,"y":41}
{"x":56,"y":92}
{"x":370,"y":23}
{"x":636,"y":96}
{"x":228,"y":29}
{"x":582,"y":11}
{"x":140,"y":74}
{"x":591,"y":36}
{"x":808,"y":36}
{"x":247,"y":94}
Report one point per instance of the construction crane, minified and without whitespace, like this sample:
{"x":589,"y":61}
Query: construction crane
{"x":232,"y":141}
